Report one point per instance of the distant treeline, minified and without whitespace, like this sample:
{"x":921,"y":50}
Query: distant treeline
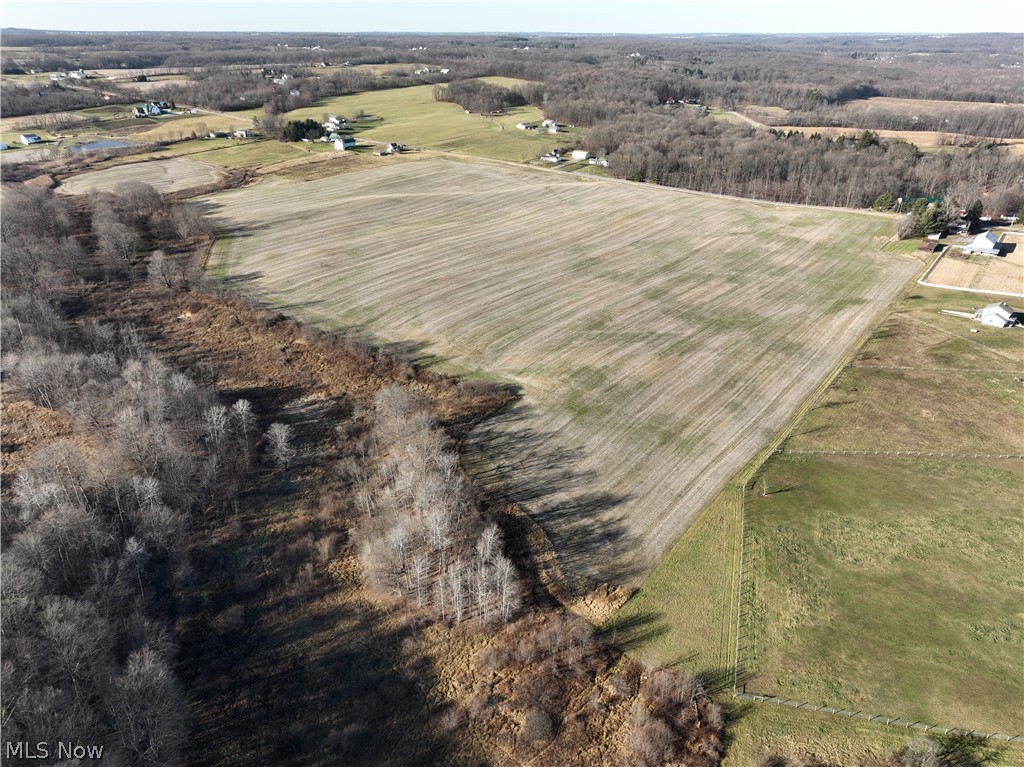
{"x":482,"y":97}
{"x":689,"y":150}
{"x":41,"y":98}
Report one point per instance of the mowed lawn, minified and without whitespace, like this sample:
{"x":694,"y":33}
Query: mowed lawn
{"x":659,"y":337}
{"x":411,"y":116}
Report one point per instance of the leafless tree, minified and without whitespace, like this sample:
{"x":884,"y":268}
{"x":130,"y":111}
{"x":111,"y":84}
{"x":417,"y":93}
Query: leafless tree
{"x":279,"y":437}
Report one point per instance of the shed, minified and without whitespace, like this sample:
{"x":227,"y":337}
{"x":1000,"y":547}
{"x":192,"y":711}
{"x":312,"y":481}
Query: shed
{"x":999,"y":315}
{"x":243,"y":133}
{"x":345,"y":142}
{"x":30,"y":138}
{"x":986,"y":243}
{"x":581,"y":154}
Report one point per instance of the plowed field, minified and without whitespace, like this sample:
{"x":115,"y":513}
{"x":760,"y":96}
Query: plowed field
{"x":659,"y":336}
{"x":163,"y":175}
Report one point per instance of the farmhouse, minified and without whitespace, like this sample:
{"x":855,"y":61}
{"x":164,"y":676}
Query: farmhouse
{"x":526,"y":126}
{"x":58,"y":76}
{"x":30,"y":138}
{"x":999,"y":315}
{"x":78,"y":74}
{"x":243,"y":133}
{"x":986,"y":244}
{"x":344,"y":142}
{"x":580,"y":154}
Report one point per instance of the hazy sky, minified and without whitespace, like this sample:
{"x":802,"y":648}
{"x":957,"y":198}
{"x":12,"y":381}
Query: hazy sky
{"x":679,"y":17}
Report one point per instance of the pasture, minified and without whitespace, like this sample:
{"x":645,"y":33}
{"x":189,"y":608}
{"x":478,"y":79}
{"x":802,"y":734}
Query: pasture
{"x":891,"y":586}
{"x":411,"y":116}
{"x":1001,"y":274}
{"x":659,"y":337}
{"x":170,"y":175}
{"x":887,"y":584}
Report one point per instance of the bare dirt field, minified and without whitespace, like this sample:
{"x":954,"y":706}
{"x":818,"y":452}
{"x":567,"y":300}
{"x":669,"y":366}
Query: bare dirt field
{"x":151,"y":85}
{"x":1001,"y":274}
{"x":163,"y":175}
{"x":659,"y":337}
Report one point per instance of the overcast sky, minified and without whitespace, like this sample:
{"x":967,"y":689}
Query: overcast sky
{"x":678,"y":17}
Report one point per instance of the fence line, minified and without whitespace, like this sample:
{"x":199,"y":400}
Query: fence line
{"x":898,"y":453}
{"x":936,"y":369}
{"x":893,"y":721}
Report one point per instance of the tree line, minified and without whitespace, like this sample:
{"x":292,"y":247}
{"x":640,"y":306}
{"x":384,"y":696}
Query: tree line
{"x":96,"y":524}
{"x":686,"y":149}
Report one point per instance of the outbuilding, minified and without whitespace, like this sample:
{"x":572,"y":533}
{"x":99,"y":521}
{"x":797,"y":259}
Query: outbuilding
{"x":999,"y":315}
{"x":30,"y":138}
{"x":345,"y":142}
{"x":986,"y":244}
{"x":581,"y":154}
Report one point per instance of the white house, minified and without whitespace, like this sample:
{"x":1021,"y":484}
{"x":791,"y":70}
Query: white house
{"x":549,"y":123}
{"x":345,"y":142}
{"x":58,"y":76}
{"x":243,"y":133}
{"x":554,"y":129}
{"x":580,"y":154}
{"x":986,"y":243}
{"x":999,"y":315}
{"x":78,"y":74}
{"x":30,"y":138}
{"x":602,"y":162}
{"x":551,"y":158}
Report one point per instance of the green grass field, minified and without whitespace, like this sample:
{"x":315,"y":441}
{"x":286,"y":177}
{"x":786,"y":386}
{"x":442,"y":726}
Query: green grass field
{"x":411,"y":116}
{"x":889,"y":585}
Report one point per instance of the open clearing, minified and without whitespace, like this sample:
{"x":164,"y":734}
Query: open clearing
{"x":660,"y":337}
{"x":163,"y":175}
{"x":1002,"y":274}
{"x":411,"y":116}
{"x":891,"y":585}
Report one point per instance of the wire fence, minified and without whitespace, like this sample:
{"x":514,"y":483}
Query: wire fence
{"x":898,"y":453}
{"x":908,"y":724}
{"x":988,"y":371}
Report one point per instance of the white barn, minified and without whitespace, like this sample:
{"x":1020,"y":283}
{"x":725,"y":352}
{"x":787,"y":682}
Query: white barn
{"x":999,"y":315}
{"x":345,"y":142}
{"x":581,"y":154}
{"x":986,"y":243}
{"x":30,"y":138}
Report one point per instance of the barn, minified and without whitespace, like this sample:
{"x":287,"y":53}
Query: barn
{"x":986,"y":244}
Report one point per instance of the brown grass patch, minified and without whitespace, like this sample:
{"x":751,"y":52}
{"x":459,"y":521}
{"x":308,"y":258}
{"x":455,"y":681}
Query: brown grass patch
{"x":1002,"y":274}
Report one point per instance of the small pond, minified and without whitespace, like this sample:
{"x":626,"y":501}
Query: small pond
{"x":94,"y":145}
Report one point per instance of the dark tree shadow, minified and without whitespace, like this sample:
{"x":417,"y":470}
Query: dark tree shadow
{"x":520,"y":464}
